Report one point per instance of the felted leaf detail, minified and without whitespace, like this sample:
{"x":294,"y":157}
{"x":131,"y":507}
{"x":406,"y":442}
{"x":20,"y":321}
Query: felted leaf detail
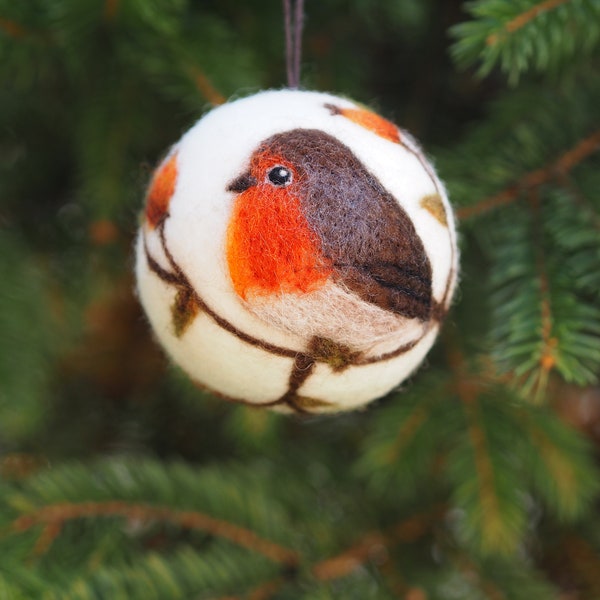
{"x":337,"y":356}
{"x":369,"y":120}
{"x":433,"y":203}
{"x":183,"y":310}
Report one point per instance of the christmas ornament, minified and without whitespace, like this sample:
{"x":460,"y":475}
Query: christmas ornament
{"x":297,"y":251}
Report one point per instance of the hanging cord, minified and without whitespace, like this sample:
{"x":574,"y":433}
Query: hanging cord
{"x":294,"y":21}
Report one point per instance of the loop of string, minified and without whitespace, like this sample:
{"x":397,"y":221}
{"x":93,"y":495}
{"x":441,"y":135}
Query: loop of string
{"x":294,"y":21}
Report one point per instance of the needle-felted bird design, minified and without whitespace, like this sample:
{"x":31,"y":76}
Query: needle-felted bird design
{"x":316,"y":245}
{"x":297,"y":251}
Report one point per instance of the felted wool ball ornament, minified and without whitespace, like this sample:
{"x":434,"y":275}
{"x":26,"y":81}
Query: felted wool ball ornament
{"x":297,"y":251}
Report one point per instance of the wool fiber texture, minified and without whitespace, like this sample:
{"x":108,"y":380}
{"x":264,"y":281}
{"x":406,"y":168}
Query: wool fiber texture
{"x":298,"y":252}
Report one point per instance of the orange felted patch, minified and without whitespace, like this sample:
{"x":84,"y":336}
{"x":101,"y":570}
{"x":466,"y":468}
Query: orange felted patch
{"x":270,"y":247}
{"x":369,"y":120}
{"x":161,"y":190}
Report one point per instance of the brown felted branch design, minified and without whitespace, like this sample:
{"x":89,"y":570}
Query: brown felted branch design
{"x":188,"y":304}
{"x":180,"y":280}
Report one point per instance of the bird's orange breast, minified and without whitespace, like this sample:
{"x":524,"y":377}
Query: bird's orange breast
{"x":270,"y":247}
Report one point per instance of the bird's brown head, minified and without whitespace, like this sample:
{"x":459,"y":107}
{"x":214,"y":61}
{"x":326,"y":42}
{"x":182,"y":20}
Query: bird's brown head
{"x":308,"y":211}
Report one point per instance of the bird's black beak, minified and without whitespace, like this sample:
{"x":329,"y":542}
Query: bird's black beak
{"x":242,"y":183}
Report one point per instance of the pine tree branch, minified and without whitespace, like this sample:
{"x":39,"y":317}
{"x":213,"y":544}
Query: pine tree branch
{"x":374,"y":544}
{"x":58,"y":514}
{"x":370,"y":545}
{"x":563,"y":165}
{"x":524,"y":18}
{"x":205,"y":87}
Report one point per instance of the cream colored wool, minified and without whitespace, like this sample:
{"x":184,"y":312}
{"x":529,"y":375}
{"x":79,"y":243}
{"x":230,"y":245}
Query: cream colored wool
{"x":327,"y":346}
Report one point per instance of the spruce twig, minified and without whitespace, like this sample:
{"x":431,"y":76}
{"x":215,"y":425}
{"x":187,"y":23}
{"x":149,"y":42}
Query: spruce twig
{"x":564,"y":164}
{"x":374,"y":543}
{"x":47,"y":536}
{"x":60,"y":513}
{"x":524,"y":18}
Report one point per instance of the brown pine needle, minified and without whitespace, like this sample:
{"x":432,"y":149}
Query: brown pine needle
{"x":524,"y":18}
{"x":206,"y":88}
{"x":111,"y":8}
{"x":13,"y":29}
{"x":374,"y":545}
{"x":371,"y":545}
{"x":49,"y":533}
{"x":59,"y":513}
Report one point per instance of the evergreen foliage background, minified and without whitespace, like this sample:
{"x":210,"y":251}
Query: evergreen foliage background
{"x":477,"y":480}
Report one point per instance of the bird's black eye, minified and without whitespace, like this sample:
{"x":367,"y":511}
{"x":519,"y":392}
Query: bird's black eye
{"x":280,"y":176}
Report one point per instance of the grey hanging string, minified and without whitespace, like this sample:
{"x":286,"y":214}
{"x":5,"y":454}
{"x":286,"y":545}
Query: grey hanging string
{"x":294,"y":21}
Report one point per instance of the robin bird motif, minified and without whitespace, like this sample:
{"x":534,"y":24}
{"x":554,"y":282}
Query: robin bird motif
{"x":316,"y":245}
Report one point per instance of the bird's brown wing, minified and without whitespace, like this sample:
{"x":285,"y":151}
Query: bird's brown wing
{"x":389,"y":287}
{"x":364,"y":232}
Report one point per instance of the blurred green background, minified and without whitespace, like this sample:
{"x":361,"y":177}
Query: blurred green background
{"x":477,"y":480}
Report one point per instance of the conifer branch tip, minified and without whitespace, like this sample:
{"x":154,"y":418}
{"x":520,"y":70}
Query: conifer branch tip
{"x":562,"y":165}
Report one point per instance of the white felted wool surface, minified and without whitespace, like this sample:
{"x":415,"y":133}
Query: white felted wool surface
{"x":317,"y":288}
